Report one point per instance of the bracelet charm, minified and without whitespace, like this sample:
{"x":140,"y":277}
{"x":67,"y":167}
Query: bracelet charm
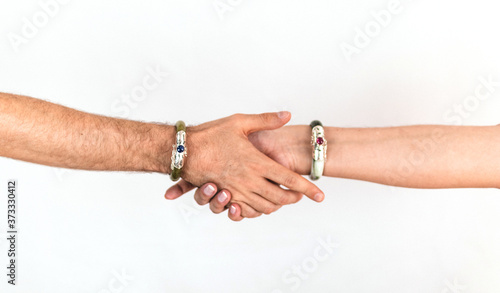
{"x":319,"y":149}
{"x":179,"y":151}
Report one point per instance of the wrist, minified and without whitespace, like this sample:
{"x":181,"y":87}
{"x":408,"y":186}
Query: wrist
{"x":303,"y":149}
{"x":157,"y":154}
{"x":340,"y":141}
{"x":198,"y":163}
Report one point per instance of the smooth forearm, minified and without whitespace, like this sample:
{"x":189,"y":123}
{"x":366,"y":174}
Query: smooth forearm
{"x":422,"y":156}
{"x":416,"y":156}
{"x":45,"y":133}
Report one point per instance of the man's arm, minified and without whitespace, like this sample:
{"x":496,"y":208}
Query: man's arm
{"x":45,"y":133}
{"x":219,"y":151}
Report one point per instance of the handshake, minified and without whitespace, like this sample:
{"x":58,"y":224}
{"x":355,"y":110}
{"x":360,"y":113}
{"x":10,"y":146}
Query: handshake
{"x":249,"y":164}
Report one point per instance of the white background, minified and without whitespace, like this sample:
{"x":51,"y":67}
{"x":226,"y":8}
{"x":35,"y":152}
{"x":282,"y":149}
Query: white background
{"x":79,"y":229}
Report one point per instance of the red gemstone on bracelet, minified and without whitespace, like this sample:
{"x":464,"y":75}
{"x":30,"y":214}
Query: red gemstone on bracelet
{"x":319,"y":140}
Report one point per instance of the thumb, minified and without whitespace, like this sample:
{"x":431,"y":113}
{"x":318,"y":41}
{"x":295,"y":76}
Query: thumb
{"x":178,"y":189}
{"x":265,"y":121}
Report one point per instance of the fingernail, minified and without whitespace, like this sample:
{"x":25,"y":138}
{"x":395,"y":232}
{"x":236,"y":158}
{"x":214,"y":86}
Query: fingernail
{"x":209,"y":190}
{"x":283,"y":114}
{"x":319,"y":197}
{"x":232,"y":210}
{"x":222,"y":197}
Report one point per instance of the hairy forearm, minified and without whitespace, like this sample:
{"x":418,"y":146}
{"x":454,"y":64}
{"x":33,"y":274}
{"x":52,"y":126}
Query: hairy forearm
{"x":416,"y":156}
{"x":45,"y":133}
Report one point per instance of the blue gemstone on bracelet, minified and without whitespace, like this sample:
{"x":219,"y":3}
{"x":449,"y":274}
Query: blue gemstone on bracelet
{"x":180,"y":149}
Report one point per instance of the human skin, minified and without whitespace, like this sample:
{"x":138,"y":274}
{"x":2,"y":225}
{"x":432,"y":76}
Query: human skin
{"x":421,"y":156}
{"x":219,"y":151}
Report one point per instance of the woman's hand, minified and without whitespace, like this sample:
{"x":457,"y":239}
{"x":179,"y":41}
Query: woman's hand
{"x":220,"y":152}
{"x":288,"y":146}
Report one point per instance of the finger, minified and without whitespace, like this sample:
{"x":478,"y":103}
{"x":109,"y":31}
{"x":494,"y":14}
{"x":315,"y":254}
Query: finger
{"x":279,"y":196}
{"x":259,"y":203}
{"x":219,"y":202}
{"x":247,"y":211}
{"x":205,"y":193}
{"x":234,"y":212}
{"x":264,"y":121}
{"x":294,"y":181}
{"x":178,"y":189}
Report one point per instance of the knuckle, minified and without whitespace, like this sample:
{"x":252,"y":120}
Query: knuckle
{"x":294,"y":197}
{"x":312,"y":189}
{"x":269,"y":209}
{"x":265,"y":118}
{"x":253,"y":215}
{"x":236,"y":116}
{"x":215,"y":209}
{"x":249,"y":214}
{"x":297,"y":197}
{"x":290,"y":181}
{"x":198,"y":200}
{"x":256,"y":167}
{"x":284,"y":199}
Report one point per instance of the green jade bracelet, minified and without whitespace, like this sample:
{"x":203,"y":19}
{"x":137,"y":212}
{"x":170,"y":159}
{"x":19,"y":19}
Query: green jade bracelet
{"x":319,"y":147}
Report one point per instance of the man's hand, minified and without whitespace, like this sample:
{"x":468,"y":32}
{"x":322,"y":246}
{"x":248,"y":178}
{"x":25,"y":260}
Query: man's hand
{"x":288,"y":146}
{"x":45,"y":133}
{"x":220,"y":152}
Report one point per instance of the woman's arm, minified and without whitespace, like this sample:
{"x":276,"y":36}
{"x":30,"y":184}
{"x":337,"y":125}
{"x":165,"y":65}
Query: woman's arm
{"x":423,"y":156}
{"x":426,"y":156}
